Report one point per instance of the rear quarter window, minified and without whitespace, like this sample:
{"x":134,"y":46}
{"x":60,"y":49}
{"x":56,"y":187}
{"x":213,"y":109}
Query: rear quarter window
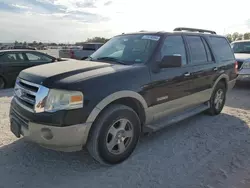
{"x":221,"y":48}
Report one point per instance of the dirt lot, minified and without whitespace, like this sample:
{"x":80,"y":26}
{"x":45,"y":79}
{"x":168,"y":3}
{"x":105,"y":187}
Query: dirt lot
{"x":204,"y":152}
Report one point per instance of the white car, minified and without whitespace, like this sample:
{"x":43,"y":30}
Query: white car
{"x":242,"y":54}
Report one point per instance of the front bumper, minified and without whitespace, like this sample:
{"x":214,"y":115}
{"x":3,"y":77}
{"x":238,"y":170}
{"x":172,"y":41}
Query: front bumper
{"x":67,"y":139}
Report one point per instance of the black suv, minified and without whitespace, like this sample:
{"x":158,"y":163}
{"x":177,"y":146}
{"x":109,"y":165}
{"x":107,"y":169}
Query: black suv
{"x":135,"y":83}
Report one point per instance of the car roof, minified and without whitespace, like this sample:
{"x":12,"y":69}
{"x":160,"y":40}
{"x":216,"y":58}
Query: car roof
{"x":179,"y":30}
{"x":93,"y":43}
{"x":163,"y":33}
{"x":239,"y":41}
{"x":18,"y":50}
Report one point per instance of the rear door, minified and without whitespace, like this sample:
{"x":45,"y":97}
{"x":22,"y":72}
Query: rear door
{"x":11,"y":64}
{"x":202,"y":66}
{"x":224,"y":57}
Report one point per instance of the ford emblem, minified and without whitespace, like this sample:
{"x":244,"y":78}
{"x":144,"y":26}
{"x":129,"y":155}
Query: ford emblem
{"x":19,"y":93}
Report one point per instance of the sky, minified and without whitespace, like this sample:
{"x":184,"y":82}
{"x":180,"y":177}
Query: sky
{"x":76,"y":20}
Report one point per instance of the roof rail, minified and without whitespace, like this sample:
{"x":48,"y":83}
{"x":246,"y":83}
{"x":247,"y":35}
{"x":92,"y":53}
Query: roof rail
{"x":194,"y":30}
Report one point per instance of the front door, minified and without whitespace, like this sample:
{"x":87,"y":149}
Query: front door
{"x":170,"y":87}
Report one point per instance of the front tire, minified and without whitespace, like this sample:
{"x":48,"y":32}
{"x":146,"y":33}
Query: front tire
{"x":114,"y":135}
{"x":218,"y":99}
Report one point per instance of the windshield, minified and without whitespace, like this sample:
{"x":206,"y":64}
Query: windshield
{"x":127,"y":49}
{"x":241,"y":47}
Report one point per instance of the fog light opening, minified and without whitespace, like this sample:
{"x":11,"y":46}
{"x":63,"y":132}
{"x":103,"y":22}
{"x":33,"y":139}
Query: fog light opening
{"x":46,"y":133}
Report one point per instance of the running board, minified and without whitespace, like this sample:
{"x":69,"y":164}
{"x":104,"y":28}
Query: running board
{"x":172,"y":119}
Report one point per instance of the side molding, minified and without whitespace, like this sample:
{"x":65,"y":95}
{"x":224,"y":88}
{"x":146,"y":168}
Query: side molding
{"x":117,"y":95}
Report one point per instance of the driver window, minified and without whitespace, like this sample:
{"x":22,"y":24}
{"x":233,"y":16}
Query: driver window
{"x":174,"y":45}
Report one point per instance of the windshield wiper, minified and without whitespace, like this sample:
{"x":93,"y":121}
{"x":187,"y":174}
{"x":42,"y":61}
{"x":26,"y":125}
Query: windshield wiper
{"x":112,"y":59}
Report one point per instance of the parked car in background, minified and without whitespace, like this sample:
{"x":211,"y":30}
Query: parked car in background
{"x":80,"y":53}
{"x":64,"y":52}
{"x":135,"y":83}
{"x":242,"y":54}
{"x":24,"y":47}
{"x":12,"y":62}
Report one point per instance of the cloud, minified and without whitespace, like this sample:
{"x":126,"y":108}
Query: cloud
{"x":21,"y":6}
{"x":108,"y":3}
{"x":86,"y":4}
{"x":76,"y":20}
{"x":48,"y":28}
{"x":8,"y":8}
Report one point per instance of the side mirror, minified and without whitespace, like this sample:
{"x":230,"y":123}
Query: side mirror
{"x":171,"y":61}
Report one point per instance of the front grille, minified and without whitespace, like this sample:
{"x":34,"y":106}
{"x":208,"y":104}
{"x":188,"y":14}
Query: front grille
{"x":25,"y":94}
{"x":240,"y":63}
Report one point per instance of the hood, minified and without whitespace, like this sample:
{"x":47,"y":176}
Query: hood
{"x":67,"y":71}
{"x":242,"y":56}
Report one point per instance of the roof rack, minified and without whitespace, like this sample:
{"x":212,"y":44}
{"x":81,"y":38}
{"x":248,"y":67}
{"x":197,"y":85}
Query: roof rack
{"x":194,"y":30}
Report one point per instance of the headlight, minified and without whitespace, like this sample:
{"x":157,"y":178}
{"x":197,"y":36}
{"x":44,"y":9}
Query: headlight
{"x":63,"y":100}
{"x":246,"y":65}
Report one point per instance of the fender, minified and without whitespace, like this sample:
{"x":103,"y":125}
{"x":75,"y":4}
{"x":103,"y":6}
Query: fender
{"x":106,"y":101}
{"x":114,"y":96}
{"x":223,"y":76}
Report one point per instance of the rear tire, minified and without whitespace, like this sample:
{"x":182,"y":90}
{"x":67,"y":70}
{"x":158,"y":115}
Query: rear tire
{"x":2,"y":83}
{"x":218,"y":99}
{"x":114,"y":135}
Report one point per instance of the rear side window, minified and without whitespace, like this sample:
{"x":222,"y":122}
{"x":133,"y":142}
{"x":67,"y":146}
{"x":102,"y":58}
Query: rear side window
{"x":197,"y":50}
{"x":11,"y":57}
{"x":89,"y":47}
{"x":221,"y":48}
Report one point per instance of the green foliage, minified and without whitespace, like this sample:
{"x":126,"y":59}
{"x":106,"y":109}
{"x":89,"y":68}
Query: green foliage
{"x":238,"y":36}
{"x":95,"y":39}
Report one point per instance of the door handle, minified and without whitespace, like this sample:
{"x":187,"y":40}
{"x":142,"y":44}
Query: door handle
{"x":187,"y":74}
{"x":215,"y":68}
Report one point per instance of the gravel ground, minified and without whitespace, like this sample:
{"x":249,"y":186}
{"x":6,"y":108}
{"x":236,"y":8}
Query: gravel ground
{"x":203,"y":151}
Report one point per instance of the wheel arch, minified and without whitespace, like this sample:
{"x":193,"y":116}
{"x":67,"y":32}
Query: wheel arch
{"x":129,"y":98}
{"x":222,"y":78}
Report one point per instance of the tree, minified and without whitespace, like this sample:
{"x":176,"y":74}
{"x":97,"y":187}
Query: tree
{"x":240,"y":37}
{"x":24,"y":43}
{"x":235,"y":35}
{"x":97,"y":39}
{"x":229,"y":37}
{"x":246,"y":36}
{"x":16,"y":43}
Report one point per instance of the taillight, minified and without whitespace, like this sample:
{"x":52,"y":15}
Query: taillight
{"x":72,"y":54}
{"x":236,"y":67}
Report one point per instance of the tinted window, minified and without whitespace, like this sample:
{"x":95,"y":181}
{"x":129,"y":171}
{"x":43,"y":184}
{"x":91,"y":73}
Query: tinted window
{"x":89,"y":47}
{"x":12,"y":57}
{"x":241,"y":47}
{"x":209,"y":54}
{"x":221,"y":48}
{"x":36,"y":57}
{"x":173,"y":45}
{"x":197,"y":50}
